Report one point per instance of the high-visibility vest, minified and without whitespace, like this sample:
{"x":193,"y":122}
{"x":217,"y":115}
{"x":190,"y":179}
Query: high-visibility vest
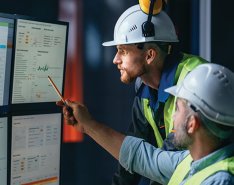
{"x":188,"y":63}
{"x":183,"y":168}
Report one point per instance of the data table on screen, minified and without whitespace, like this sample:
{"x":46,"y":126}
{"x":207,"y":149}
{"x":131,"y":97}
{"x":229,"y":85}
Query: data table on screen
{"x":35,"y":152}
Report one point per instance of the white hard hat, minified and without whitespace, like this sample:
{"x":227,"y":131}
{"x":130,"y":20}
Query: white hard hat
{"x":128,"y":29}
{"x":210,"y":89}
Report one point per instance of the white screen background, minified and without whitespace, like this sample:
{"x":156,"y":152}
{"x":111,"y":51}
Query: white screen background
{"x":36,"y":141}
{"x":40,"y":52}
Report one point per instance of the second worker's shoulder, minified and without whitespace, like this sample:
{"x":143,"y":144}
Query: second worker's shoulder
{"x":190,"y":58}
{"x":189,"y":62}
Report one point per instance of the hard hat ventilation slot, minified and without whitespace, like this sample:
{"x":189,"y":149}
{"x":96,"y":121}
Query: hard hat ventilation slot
{"x":218,"y":74}
{"x":221,"y":77}
{"x":226,"y":82}
{"x":134,"y":27}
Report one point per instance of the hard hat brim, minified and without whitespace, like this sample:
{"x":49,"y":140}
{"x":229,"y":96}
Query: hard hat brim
{"x":109,"y":43}
{"x":172,"y":90}
{"x":114,"y":43}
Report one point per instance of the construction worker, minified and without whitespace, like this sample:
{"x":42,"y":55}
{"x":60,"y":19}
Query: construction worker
{"x":145,"y":52}
{"x":203,"y":123}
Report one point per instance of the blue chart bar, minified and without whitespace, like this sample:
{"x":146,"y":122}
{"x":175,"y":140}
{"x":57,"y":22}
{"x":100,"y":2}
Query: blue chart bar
{"x":3,"y":46}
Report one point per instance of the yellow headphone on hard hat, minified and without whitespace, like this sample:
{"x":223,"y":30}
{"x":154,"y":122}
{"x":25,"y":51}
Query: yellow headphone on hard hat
{"x":146,"y":5}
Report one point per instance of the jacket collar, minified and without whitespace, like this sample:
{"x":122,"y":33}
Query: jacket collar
{"x":167,"y":80}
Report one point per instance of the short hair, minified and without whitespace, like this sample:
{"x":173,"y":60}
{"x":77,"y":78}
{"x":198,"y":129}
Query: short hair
{"x":160,"y":47}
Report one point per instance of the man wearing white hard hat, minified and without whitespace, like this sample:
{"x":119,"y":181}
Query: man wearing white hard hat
{"x":203,"y":123}
{"x":145,"y":38}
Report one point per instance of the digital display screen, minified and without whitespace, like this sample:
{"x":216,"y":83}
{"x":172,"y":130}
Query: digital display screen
{"x":6,"y":43}
{"x":40,"y":51}
{"x":3,"y":150}
{"x":35,"y":150}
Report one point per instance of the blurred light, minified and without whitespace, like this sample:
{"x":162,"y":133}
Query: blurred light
{"x":93,"y":46}
{"x":116,"y":6}
{"x":70,"y":11}
{"x":205,"y":29}
{"x":109,"y":54}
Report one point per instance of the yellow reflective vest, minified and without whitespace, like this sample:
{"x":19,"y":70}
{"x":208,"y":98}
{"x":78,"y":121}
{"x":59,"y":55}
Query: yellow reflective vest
{"x":187,"y":63}
{"x":183,"y":168}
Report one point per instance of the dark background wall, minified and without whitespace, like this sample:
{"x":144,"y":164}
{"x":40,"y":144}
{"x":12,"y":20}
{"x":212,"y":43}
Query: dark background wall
{"x":107,"y":98}
{"x":39,"y":8}
{"x":222,"y":37}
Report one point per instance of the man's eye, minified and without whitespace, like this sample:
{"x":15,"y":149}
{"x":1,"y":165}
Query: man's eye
{"x":120,"y":51}
{"x":124,"y":52}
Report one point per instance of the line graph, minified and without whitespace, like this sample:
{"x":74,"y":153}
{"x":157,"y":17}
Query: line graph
{"x":43,"y":68}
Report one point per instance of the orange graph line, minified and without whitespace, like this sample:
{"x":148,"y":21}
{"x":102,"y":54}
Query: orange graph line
{"x":42,"y":182}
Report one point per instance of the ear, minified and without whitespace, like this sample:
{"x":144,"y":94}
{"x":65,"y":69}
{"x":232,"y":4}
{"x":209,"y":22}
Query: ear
{"x":151,"y":55}
{"x":193,"y":124}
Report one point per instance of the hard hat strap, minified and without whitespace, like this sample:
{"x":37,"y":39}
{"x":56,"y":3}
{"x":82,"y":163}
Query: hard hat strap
{"x":151,"y":8}
{"x":148,"y":26}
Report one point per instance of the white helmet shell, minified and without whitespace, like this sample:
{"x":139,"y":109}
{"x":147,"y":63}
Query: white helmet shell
{"x":210,"y":88}
{"x":128,"y":29}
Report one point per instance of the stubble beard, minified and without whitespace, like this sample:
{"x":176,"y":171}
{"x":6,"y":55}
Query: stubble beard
{"x":182,"y":140}
{"x":127,"y":77}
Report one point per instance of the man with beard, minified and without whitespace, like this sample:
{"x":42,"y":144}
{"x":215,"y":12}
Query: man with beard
{"x":203,"y":123}
{"x":147,"y":54}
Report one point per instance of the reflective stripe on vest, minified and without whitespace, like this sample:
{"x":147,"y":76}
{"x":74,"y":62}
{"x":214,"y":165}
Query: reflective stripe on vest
{"x":181,"y":171}
{"x":188,"y":63}
{"x":149,"y":116}
{"x":184,"y":167}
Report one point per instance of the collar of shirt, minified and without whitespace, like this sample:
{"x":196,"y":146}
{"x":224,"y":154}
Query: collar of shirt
{"x":167,"y":80}
{"x":212,"y":158}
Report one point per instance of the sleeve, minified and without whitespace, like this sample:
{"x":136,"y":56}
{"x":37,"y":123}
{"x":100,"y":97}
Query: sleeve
{"x":138,"y":156}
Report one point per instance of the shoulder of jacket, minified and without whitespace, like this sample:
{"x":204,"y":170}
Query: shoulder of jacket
{"x":189,"y":62}
{"x":190,"y":57}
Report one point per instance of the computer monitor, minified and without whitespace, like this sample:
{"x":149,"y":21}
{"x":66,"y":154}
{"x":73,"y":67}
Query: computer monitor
{"x":35,"y":149}
{"x":6,"y":43}
{"x":40,"y":51}
{"x":3,"y":150}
